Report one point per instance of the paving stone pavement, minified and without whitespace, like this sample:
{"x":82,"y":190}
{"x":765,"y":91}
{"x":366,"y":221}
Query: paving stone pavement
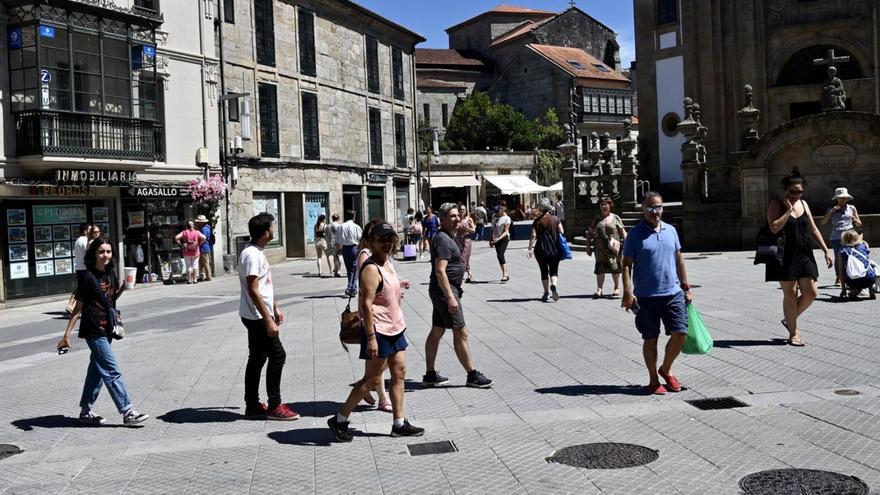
{"x":565,"y":373}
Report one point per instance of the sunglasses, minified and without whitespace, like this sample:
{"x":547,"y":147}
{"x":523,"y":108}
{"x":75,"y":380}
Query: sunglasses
{"x":654,"y":209}
{"x":795,"y":192}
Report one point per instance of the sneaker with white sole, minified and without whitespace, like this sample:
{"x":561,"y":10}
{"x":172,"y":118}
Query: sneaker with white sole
{"x":133,"y":417}
{"x":91,"y":419}
{"x":434,"y":379}
{"x":476,"y":379}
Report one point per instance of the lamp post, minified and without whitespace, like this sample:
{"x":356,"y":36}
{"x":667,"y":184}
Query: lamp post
{"x":435,"y":146}
{"x":230,"y":153}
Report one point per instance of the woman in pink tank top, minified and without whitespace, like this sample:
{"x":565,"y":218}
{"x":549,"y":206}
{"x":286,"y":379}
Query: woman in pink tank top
{"x":382,"y":334}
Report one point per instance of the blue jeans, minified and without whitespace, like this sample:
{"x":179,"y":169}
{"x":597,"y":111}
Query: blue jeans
{"x":349,"y":257}
{"x":478,"y":235}
{"x":103,"y":368}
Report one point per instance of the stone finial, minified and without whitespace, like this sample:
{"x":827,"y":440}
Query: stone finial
{"x":748,"y":116}
{"x":688,"y":126}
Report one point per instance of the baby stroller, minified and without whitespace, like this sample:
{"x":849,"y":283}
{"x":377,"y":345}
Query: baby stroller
{"x":860,"y":272}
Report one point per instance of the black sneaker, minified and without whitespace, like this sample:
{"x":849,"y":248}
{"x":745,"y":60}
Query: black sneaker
{"x":91,"y":419}
{"x":133,"y":417}
{"x":407,"y":430}
{"x":476,"y":379}
{"x":340,"y":430}
{"x":555,"y":294}
{"x":545,"y":297}
{"x":434,"y":379}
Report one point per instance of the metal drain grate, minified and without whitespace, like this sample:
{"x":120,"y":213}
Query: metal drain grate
{"x":604,"y":455}
{"x":847,"y":391}
{"x":717,"y":403}
{"x":776,"y":481}
{"x":431,"y":448}
{"x":8,"y":450}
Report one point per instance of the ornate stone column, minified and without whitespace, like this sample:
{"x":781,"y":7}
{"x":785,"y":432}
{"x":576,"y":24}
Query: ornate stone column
{"x":690,"y":163}
{"x":628,"y":167}
{"x":748,"y":117}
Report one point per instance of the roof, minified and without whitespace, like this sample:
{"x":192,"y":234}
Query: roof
{"x":425,"y":82}
{"x":577,"y":62}
{"x":446,"y":56}
{"x":518,"y":32}
{"x":384,"y":20}
{"x":504,"y":9}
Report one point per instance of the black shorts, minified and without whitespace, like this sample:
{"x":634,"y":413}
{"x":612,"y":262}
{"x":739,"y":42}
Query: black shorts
{"x":389,"y":345}
{"x":441,"y":316}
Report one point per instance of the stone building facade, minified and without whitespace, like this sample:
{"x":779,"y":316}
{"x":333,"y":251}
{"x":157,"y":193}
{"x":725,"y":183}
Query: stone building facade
{"x":111,"y":138}
{"x":332,"y":123}
{"x":709,"y":50}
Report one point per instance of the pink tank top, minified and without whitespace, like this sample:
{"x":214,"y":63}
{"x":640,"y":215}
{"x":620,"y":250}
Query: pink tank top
{"x":190,"y":240}
{"x":387,"y":314}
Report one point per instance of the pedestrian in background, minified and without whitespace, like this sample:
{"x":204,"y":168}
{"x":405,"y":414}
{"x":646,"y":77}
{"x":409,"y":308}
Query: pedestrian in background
{"x":98,"y":292}
{"x":262,"y":317}
{"x":416,"y":231}
{"x":463,"y":234}
{"x":655,"y":288}
{"x":205,"y":249}
{"x":383,"y":343}
{"x":500,"y":239}
{"x":444,"y":289}
{"x":843,"y":217}
{"x":798,"y":271}
{"x":481,"y":218}
{"x":544,"y":243}
{"x":430,"y":226}
{"x":321,"y":247}
{"x":559,"y":210}
{"x":348,"y":236}
{"x":191,"y":239}
{"x":336,"y":249}
{"x":605,"y":238}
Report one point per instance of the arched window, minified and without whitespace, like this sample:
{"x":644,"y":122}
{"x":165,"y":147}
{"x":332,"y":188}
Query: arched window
{"x":799,"y":69}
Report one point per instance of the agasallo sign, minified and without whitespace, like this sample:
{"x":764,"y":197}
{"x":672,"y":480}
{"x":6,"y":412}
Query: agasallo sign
{"x":158,"y":192}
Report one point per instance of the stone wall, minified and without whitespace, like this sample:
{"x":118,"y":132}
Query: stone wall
{"x":436,"y":98}
{"x":576,"y":29}
{"x":532,"y":85}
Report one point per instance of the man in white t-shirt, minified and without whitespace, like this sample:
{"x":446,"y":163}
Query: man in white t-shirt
{"x":261,"y":316}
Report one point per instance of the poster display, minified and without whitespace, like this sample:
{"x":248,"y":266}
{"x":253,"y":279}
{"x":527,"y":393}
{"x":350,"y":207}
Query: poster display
{"x":16,"y":217}
{"x":101,"y":214}
{"x":18,"y":252}
{"x":42,"y":233}
{"x":136,"y":219}
{"x":43,"y":251}
{"x":17,"y":235}
{"x":62,"y":250}
{"x":64,"y":266}
{"x":61,"y":232}
{"x":105,"y":229}
{"x":45,"y":268}
{"x":18,"y":270}
{"x":313,"y":210}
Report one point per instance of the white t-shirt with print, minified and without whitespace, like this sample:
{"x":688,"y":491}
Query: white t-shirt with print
{"x":254,"y":263}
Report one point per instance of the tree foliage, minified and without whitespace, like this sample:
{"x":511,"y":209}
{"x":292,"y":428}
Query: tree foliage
{"x":478,"y":124}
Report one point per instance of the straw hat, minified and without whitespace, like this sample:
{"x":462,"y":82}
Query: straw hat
{"x":201,"y":219}
{"x":841,"y":192}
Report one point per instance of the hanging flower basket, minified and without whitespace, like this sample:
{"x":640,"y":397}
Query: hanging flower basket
{"x":207,"y":194}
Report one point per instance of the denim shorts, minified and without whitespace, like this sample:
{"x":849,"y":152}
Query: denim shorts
{"x":389,"y":345}
{"x":671,"y":310}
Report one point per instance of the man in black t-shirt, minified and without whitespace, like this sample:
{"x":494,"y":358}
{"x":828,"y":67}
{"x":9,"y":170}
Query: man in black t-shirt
{"x":447,"y":274}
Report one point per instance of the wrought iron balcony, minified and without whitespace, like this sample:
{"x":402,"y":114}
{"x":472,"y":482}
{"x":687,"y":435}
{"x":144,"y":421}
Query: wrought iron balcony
{"x":57,"y":133}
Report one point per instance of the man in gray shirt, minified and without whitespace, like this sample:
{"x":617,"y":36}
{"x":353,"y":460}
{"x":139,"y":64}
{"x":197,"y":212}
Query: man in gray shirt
{"x":482,"y":218}
{"x":447,"y":274}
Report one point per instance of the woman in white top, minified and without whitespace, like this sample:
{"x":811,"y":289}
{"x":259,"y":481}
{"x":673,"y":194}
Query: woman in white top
{"x":843,"y":217}
{"x":500,"y":239}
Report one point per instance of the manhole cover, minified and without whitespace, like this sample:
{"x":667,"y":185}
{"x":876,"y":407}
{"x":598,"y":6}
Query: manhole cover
{"x":717,"y":403}
{"x":7,"y":450}
{"x":847,"y":391}
{"x":801,"y":481}
{"x":429,"y":448}
{"x":604,"y":455}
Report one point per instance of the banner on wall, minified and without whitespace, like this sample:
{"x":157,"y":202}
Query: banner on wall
{"x":59,"y":214}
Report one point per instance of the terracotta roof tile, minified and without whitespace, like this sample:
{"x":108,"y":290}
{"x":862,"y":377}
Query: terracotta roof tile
{"x":442,"y":56}
{"x":425,"y":82}
{"x":578,"y":62}
{"x":635,"y":119}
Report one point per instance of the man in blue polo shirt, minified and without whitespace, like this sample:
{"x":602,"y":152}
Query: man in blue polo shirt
{"x":655,"y":288}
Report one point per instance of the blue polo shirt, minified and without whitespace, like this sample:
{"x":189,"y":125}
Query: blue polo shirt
{"x":205,"y":248}
{"x":653,"y":255}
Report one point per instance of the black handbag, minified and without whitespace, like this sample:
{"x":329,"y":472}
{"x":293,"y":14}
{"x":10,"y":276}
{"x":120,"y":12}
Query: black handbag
{"x":771,"y":247}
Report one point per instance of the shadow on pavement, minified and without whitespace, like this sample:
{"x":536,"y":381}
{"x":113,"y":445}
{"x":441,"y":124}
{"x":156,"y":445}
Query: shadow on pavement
{"x":323,"y":408}
{"x":202,"y":415}
{"x":314,"y":437}
{"x":56,"y":421}
{"x":573,"y":390}
{"x":748,"y":343}
{"x":515,"y":300}
{"x":328,"y":296}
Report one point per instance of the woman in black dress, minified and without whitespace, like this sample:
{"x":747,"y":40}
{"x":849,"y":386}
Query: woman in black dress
{"x":790,"y":216}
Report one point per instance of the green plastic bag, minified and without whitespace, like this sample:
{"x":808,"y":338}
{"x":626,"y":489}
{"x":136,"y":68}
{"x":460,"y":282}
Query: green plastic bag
{"x":698,"y":340}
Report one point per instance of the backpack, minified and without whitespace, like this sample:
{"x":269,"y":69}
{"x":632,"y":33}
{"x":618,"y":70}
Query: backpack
{"x":211,"y":239}
{"x":548,"y":244}
{"x":856,"y":265}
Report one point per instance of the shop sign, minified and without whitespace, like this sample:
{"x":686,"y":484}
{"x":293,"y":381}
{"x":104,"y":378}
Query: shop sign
{"x":374,"y":178}
{"x":158,"y":192}
{"x":49,"y":214}
{"x":13,"y":38}
{"x":95,"y":177}
{"x":66,"y":191}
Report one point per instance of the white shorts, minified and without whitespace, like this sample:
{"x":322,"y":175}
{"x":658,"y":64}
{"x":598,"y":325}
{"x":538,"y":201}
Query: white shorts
{"x":192,"y":262}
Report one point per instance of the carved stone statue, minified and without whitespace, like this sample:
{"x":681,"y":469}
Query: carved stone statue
{"x":833,"y":93}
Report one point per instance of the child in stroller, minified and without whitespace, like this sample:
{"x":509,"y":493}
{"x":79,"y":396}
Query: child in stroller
{"x":859,"y":271}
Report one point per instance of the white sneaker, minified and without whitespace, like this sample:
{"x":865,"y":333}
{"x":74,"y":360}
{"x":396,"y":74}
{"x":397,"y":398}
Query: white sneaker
{"x":133,"y":417}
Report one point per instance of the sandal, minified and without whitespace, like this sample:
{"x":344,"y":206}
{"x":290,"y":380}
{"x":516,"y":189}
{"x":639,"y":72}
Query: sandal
{"x":504,"y":279}
{"x":369,"y":399}
{"x":796,"y":341}
{"x":385,"y":405}
{"x":597,"y":294}
{"x":615,"y":293}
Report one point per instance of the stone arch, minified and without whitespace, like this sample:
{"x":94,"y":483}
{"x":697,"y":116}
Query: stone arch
{"x":782,"y":60}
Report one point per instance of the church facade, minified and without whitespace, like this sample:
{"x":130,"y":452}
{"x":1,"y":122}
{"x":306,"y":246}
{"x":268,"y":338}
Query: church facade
{"x":812,"y":67}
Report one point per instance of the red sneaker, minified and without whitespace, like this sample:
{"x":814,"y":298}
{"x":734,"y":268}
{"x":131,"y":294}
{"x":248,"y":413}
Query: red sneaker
{"x":656,"y":389}
{"x":282,"y":413}
{"x":256,"y":411}
{"x":670,"y":380}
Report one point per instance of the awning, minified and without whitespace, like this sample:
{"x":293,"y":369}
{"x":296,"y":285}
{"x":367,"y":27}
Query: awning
{"x":555,"y":187}
{"x":515,"y":184}
{"x":454,"y":181}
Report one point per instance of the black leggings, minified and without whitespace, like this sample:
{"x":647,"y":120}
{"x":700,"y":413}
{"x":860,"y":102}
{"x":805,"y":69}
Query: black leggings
{"x":549,"y":266}
{"x":500,"y":248}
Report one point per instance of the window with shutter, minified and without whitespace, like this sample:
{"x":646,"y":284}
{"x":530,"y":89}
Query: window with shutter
{"x":444,"y":109}
{"x":311,"y":137}
{"x":307,"y":63}
{"x":229,"y":11}
{"x":375,"y":137}
{"x":397,"y":72}
{"x":264,"y":23}
{"x":372,"y":65}
{"x":268,"y":101}
{"x":400,"y":139}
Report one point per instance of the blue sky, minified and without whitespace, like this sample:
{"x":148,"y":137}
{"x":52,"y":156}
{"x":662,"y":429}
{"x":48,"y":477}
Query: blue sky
{"x":431,"y":17}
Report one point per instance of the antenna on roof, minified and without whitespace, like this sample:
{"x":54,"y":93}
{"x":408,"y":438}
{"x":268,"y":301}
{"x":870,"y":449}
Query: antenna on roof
{"x":572,"y":3}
